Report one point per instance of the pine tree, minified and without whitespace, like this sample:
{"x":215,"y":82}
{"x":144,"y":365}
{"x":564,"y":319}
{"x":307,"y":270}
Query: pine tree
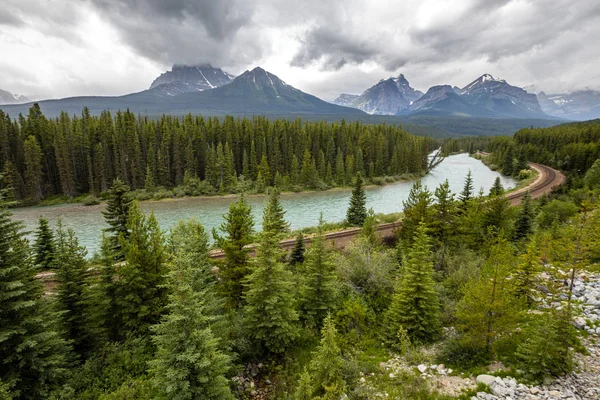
{"x":489,"y":309}
{"x":498,"y":214}
{"x":116,"y":215}
{"x":527,"y":271}
{"x":71,"y":268}
{"x":467,"y":192}
{"x":546,"y":350}
{"x":327,"y":364}
{"x":417,"y":209}
{"x":271,"y":319}
{"x":357,"y":210}
{"x":508,"y":162}
{"x":140,"y":293}
{"x":497,"y":189}
{"x":274,"y":215}
{"x":297,"y":256}
{"x":415,"y":305}
{"x":188,"y":363}
{"x":525,"y":218}
{"x":33,"y":169}
{"x":239,"y":228}
{"x":44,"y":246}
{"x":33,"y":356}
{"x":443,"y":224}
{"x":368,"y":231}
{"x":304,"y":389}
{"x":319,"y":289}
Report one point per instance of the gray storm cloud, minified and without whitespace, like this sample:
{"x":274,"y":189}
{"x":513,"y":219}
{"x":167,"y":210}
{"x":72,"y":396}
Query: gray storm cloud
{"x":552,"y":43}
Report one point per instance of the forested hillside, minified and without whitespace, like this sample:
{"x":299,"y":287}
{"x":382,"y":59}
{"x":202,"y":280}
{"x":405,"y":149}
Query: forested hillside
{"x":70,"y":156}
{"x":571,"y":148}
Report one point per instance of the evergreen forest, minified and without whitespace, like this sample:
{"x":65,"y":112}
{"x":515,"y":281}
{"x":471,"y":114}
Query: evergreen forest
{"x":71,"y":156}
{"x":467,"y":281}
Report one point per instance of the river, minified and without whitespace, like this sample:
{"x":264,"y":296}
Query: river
{"x":303,"y":209}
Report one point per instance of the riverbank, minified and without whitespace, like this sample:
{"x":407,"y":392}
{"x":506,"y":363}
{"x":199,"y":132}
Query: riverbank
{"x":179,"y":193}
{"x":302,"y":209}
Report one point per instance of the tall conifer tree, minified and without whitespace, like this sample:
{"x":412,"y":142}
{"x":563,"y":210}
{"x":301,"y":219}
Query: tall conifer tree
{"x":415,"y":305}
{"x":357,"y":210}
{"x":270,"y":312}
{"x":239,"y":229}
{"x":44,"y":246}
{"x":188,"y":363}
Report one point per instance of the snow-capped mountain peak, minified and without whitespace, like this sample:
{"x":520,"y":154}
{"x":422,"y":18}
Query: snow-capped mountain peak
{"x":10,"y":98}
{"x":190,"y":78}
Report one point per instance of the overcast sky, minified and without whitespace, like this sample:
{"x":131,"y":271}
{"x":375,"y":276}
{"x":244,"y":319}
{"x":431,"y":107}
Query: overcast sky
{"x":59,"y":48}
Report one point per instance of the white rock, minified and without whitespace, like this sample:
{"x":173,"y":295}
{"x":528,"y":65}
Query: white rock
{"x":422,"y":368}
{"x":485,"y":379}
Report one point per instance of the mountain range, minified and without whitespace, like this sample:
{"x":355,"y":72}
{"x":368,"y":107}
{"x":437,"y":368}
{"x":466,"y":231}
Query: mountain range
{"x":484,"y":97}
{"x":201,"y":90}
{"x":9,"y":98}
{"x":485,"y":106}
{"x":388,"y":97}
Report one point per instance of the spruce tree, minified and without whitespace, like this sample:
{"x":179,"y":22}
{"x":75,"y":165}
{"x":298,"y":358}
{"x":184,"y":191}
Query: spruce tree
{"x":546,"y":350}
{"x":508,"y":162}
{"x":274,"y":215}
{"x":304,"y":389}
{"x":239,"y":229}
{"x":525,"y":218}
{"x":527,"y":271}
{"x":32,"y":154}
{"x":357,"y":210}
{"x":415,"y":305}
{"x":489,"y":308}
{"x":443,"y":224}
{"x":33,"y":356}
{"x":467,"y":192}
{"x":327,"y":365}
{"x":140,"y":292}
{"x":497,"y":189}
{"x":271,"y":318}
{"x":44,"y":246}
{"x":417,"y":209}
{"x":71,"y":268}
{"x":297,"y":256}
{"x":319,"y":288}
{"x":188,"y":363}
{"x":116,"y":215}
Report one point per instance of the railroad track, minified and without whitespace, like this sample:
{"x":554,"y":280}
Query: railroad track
{"x":547,"y":179}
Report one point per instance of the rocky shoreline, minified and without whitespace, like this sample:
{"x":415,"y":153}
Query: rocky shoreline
{"x":581,"y":384}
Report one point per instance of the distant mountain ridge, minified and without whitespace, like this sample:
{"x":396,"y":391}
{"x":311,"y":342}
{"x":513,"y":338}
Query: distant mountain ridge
{"x":186,"y":90}
{"x":10,"y":98}
{"x":388,"y":97}
{"x":486,"y":97}
{"x":194,"y":78}
{"x":579,"y":105}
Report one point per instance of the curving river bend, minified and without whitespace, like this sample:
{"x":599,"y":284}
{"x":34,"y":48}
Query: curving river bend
{"x":302,"y":208}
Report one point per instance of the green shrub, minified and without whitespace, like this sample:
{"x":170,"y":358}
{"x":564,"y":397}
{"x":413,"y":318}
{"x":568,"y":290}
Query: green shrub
{"x":91,"y":200}
{"x":556,"y":211}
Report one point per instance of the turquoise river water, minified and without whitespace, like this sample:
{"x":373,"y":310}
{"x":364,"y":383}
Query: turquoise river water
{"x":303,"y":209}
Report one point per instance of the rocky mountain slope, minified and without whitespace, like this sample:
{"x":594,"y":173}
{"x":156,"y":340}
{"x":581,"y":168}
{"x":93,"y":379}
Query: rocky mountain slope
{"x":580,"y":105}
{"x":10,"y":98}
{"x":185,"y":78}
{"x":388,"y":97}
{"x":499,"y":97}
{"x":253,"y":92}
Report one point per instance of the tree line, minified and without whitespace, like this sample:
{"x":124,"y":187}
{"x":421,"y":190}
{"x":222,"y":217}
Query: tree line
{"x":75,"y":155}
{"x":571,"y":148}
{"x":159,"y":319}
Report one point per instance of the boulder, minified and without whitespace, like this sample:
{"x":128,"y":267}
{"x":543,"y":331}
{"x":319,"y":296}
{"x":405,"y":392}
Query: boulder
{"x":485,"y":379}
